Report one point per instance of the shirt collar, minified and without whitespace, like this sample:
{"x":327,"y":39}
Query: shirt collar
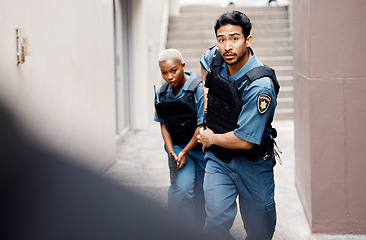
{"x":189,"y":80}
{"x":251,"y":63}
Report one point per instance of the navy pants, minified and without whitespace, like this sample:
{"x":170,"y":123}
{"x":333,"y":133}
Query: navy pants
{"x":253,"y":182}
{"x":186,"y":195}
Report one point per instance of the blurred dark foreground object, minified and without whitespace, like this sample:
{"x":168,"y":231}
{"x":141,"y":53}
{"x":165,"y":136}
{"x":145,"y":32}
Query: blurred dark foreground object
{"x":43,"y":196}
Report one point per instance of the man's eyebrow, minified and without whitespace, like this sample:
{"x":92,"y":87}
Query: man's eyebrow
{"x":230,"y":34}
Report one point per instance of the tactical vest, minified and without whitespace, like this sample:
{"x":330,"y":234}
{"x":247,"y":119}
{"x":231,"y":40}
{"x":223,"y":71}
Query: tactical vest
{"x":225,"y":104}
{"x":179,"y":114}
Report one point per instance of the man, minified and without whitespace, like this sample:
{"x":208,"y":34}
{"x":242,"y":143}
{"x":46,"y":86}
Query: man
{"x":237,"y":141}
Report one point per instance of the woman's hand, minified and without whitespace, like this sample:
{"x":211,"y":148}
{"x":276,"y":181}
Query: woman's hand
{"x":182,"y":159}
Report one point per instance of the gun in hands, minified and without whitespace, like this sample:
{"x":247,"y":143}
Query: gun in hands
{"x":172,"y":168}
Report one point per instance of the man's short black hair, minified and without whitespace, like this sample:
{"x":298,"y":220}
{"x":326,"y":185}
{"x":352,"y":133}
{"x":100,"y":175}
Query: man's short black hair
{"x":234,"y":18}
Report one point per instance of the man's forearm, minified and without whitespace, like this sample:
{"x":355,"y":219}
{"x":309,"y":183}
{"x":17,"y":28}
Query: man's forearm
{"x":231,"y":141}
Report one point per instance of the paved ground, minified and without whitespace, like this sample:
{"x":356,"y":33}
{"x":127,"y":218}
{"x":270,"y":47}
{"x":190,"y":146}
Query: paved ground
{"x":142,"y":164}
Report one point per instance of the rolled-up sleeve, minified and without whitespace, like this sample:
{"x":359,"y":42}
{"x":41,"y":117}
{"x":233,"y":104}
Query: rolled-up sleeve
{"x":156,"y":117}
{"x":207,"y":57}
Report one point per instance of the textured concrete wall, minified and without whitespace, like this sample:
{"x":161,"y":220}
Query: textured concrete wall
{"x":330,"y":85}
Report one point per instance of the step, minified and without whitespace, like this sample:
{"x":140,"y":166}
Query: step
{"x":276,"y":61}
{"x":283,"y":71}
{"x":194,"y":63}
{"x":284,"y":114}
{"x":285,"y":81}
{"x":280,"y":71}
{"x":192,"y":34}
{"x":272,"y":32}
{"x":210,"y":34}
{"x":261,"y":52}
{"x":253,"y":16}
{"x":260,"y":24}
{"x":272,"y":42}
{"x":283,"y":103}
{"x":197,"y":43}
{"x":219,"y":10}
{"x":192,"y":52}
{"x":286,"y":92}
{"x":259,"y":42}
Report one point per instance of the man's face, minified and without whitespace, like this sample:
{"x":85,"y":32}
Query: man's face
{"x":232,"y":43}
{"x":172,"y":71}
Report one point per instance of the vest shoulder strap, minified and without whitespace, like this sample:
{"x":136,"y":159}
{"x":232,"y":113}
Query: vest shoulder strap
{"x":217,"y":60}
{"x":192,"y":87}
{"x":257,"y":73}
{"x":164,"y":88}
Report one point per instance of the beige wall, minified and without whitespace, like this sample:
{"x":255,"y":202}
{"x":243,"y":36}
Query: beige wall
{"x":64,"y":92}
{"x":329,"y":90}
{"x":149,"y":19}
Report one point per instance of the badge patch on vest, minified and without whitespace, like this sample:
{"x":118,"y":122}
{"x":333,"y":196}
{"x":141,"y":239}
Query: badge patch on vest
{"x":263,"y":103}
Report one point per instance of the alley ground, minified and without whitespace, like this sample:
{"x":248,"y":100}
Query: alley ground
{"x":142,"y":165}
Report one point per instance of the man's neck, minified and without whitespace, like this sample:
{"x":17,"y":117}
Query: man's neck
{"x":237,"y":66}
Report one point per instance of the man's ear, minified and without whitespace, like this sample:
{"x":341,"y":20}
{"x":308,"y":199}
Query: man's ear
{"x":183,"y":64}
{"x":249,"y":40}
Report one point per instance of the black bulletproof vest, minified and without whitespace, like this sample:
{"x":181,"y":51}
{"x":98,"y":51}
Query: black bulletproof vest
{"x":225,"y":104}
{"x":180,"y":115}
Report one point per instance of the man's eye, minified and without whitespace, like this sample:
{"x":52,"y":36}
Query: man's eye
{"x":163,"y":73}
{"x":235,"y":39}
{"x":174,"y":71}
{"x":221,"y":40}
